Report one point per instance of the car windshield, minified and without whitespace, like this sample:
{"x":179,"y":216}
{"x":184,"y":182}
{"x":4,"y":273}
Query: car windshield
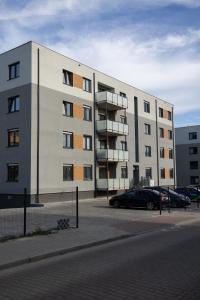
{"x":170,"y":191}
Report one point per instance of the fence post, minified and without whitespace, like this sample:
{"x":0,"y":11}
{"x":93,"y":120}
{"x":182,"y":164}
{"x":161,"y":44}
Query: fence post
{"x":25,"y":206}
{"x":77,"y":210}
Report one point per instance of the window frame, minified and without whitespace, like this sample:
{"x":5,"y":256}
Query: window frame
{"x":65,"y":103}
{"x":85,"y":143}
{"x":161,"y":129}
{"x":71,"y":178}
{"x":89,"y":108}
{"x":194,"y":165}
{"x":10,"y":104}
{"x":193,"y":135}
{"x":86,"y":88}
{"x":161,"y":112}
{"x":85,"y":173}
{"x":148,"y":151}
{"x":148,"y":169}
{"x":67,"y":77}
{"x":162,"y":173}
{"x":9,"y":177}
{"x":124,"y":172}
{"x":16,"y":72}
{"x":147,"y":106}
{"x":162,"y":152}
{"x":193,"y":152}
{"x":147,"y":126}
{"x":16,"y":136}
{"x":68,"y":133}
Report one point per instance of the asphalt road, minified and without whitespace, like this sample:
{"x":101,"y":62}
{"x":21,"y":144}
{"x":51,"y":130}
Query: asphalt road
{"x":161,"y":265}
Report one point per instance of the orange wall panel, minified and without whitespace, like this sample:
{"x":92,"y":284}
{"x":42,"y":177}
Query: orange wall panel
{"x":166,"y":173}
{"x":78,"y":111}
{"x":166,"y":133}
{"x":78,"y":141}
{"x":78,"y":172}
{"x":165,"y":114}
{"x":77,"y":81}
{"x":166,"y":153}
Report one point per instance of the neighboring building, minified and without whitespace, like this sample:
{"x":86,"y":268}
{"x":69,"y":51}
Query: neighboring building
{"x":188,"y":155}
{"x":64,"y":124}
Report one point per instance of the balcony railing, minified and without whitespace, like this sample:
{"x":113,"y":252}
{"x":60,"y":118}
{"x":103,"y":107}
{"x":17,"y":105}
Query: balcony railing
{"x":112,"y":155}
{"x":112,"y":127}
{"x":113,"y":184}
{"x":113,"y":101}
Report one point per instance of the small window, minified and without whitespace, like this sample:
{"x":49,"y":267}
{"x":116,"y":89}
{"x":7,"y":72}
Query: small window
{"x":171,"y":153}
{"x":148,"y":173}
{"x":123,"y":119}
{"x":87,"y":142}
{"x":122,"y":94}
{"x":67,"y":109}
{"x":124,"y":172}
{"x":13,"y":137}
{"x":148,"y":151}
{"x":101,"y":117}
{"x":194,"y":165}
{"x":192,"y":135}
{"x":102,"y":172}
{"x":87,"y":116}
{"x":193,"y":150}
{"x":13,"y":104}
{"x":162,"y":153}
{"x":67,"y":140}
{"x":171,"y":173}
{"x":88,"y":172}
{"x":169,"y":114}
{"x":67,"y":172}
{"x":67,"y":77}
{"x":87,"y":85}
{"x":160,"y":112}
{"x":12,"y":172}
{"x":162,"y":173}
{"x":147,"y":129}
{"x":103,"y":144}
{"x":161,"y":132}
{"x":194,"y":179}
{"x":146,"y":107}
{"x":124,"y":145}
{"x":170,"y":135}
{"x":14,"y":70}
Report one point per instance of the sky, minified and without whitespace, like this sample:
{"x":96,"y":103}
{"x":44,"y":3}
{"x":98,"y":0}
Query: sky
{"x":153,"y":45}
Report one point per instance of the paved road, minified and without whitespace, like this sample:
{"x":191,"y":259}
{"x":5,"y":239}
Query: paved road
{"x":162,"y":265}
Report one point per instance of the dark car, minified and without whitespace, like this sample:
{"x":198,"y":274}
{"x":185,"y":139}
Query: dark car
{"x":176,"y":200}
{"x":149,"y":199}
{"x":190,"y":192}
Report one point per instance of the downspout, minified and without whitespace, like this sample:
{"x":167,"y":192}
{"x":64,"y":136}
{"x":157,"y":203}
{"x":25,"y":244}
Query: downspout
{"x":158,"y":167}
{"x":38,"y":128}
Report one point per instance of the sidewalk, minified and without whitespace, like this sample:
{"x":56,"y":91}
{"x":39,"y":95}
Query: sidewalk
{"x":90,"y":233}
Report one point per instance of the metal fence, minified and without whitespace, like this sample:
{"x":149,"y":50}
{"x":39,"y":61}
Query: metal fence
{"x":38,"y":218}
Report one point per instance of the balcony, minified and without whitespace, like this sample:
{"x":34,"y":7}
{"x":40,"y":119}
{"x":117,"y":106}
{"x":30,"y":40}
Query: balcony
{"x":111,"y":101}
{"x":113,"y":184}
{"x":111,"y":127}
{"x":112,"y":155}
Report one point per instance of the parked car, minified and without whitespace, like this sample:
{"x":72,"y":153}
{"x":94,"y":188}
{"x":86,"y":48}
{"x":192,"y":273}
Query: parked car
{"x":190,"y":192}
{"x":140,"y":198}
{"x":176,"y":200}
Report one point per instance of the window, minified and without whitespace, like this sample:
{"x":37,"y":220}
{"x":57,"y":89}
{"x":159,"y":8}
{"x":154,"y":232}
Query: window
{"x":193,"y":150}
{"x":67,"y":140}
{"x":87,"y":142}
{"x":162,"y":173}
{"x":169,"y":115}
{"x":12,"y":172}
{"x":87,"y":85}
{"x":101,"y":117}
{"x":170,"y":135}
{"x":67,"y":77}
{"x":122,"y":94}
{"x":147,"y":150}
{"x":87,"y":113}
{"x":160,"y":112}
{"x":192,"y":135}
{"x":146,"y":107}
{"x":67,"y":172}
{"x":194,"y":179}
{"x":88,"y":172}
{"x":162,"y":153}
{"x":14,"y":70}
{"x":13,"y":104}
{"x":103,"y":144}
{"x":147,"y":129}
{"x":124,"y":145}
{"x":194,"y":165}
{"x":123,"y":119}
{"x":148,"y":173}
{"x":171,"y":173}
{"x":13,"y":137}
{"x":161,"y":132}
{"x":171,"y":153}
{"x":67,"y":109}
{"x":124,"y":172}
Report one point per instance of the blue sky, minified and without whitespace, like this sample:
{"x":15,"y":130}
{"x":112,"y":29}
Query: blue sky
{"x":151,"y":44}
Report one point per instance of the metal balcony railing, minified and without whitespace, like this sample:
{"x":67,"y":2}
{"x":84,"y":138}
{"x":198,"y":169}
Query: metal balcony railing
{"x":112,"y":127}
{"x":112,"y":155}
{"x":113,"y":184}
{"x":114,"y":101}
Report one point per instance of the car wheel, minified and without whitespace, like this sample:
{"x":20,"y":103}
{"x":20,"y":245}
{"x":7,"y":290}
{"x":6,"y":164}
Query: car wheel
{"x":116,"y":204}
{"x":150,"y":205}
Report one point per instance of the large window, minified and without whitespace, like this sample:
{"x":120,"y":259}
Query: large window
{"x":67,"y":139}
{"x":14,"y":70}
{"x":170,"y":134}
{"x":146,"y":107}
{"x":161,"y":130}
{"x":194,"y":179}
{"x":148,"y":173}
{"x":67,"y":109}
{"x":13,"y":137}
{"x":162,"y":152}
{"x":67,"y":172}
{"x":87,"y":85}
{"x":162,"y":173}
{"x":160,"y":112}
{"x":147,"y":150}
{"x":192,"y":135}
{"x":67,"y":77}
{"x":147,"y":129}
{"x":194,"y":165}
{"x":87,"y":116}
{"x":193,"y":150}
{"x":124,"y":172}
{"x":87,"y":142}
{"x":88,"y":172}
{"x":12,"y":172}
{"x":13,"y":104}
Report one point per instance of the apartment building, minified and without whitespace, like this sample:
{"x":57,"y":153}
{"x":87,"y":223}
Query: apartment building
{"x":64,"y":124}
{"x":188,"y":155}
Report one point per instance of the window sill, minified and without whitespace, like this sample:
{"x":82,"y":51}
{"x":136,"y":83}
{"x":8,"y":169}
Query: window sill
{"x":68,"y":84}
{"x":13,"y":78}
